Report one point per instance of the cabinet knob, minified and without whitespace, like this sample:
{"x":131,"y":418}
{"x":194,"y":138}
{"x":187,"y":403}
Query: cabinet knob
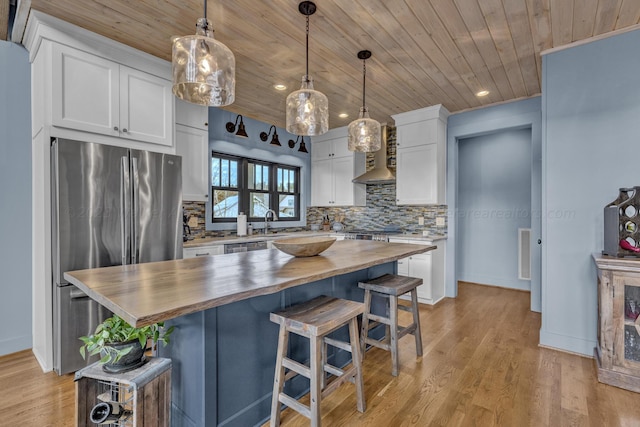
{"x":206,"y":124}
{"x":124,"y":130}
{"x":115,"y":128}
{"x":206,"y":196}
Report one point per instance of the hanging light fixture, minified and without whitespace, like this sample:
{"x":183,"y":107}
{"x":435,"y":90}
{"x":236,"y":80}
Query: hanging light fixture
{"x":274,"y":139}
{"x":307,"y":109}
{"x":303,"y":148}
{"x":204,"y":70}
{"x":364,"y":132}
{"x":231,"y":127}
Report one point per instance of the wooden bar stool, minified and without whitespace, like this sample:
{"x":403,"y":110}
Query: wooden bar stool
{"x":390,"y":286}
{"x":315,"y":319}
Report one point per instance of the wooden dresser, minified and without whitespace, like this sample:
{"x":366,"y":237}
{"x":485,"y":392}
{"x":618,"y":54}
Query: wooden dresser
{"x":618,"y":352}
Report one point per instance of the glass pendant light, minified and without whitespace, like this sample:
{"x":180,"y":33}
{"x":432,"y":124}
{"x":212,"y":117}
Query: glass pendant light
{"x":364,"y":132}
{"x":307,"y":109}
{"x":204,"y":70}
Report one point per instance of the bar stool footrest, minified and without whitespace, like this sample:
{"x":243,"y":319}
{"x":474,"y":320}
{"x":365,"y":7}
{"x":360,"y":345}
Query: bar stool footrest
{"x":379,"y":319}
{"x":296,"y":367}
{"x":337,"y":382}
{"x":295,"y":405}
{"x":337,"y":343}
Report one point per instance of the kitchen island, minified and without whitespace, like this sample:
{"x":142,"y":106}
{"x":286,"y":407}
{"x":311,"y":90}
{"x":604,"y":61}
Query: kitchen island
{"x":224,"y":348}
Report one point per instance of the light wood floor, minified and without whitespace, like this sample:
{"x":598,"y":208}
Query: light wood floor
{"x":481,"y":366}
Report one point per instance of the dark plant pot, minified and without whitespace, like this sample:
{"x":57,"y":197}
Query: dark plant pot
{"x":132,"y":360}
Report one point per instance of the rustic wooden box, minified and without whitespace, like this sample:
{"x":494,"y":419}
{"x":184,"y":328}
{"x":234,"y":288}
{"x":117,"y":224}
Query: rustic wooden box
{"x":144,"y":392}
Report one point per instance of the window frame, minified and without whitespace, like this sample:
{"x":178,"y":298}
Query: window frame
{"x":244,"y":191}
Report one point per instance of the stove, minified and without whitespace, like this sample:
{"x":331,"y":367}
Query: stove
{"x":375,"y":235}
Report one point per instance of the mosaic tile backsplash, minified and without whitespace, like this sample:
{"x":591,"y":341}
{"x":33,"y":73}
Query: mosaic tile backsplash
{"x":380,"y":211}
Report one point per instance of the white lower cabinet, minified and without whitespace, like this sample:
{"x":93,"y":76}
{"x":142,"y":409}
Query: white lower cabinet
{"x":202,"y":251}
{"x":428,"y":266}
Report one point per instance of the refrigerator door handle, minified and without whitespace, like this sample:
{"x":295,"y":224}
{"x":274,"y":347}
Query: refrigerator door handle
{"x":134,"y":210}
{"x":77,"y":294}
{"x":124,"y":208}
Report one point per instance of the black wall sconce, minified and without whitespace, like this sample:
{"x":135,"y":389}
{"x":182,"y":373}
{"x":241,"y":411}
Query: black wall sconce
{"x":303,"y":148}
{"x":231,"y":127}
{"x":274,"y":139}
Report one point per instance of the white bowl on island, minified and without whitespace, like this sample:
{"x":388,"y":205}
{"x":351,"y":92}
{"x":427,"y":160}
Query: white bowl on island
{"x":304,"y":246}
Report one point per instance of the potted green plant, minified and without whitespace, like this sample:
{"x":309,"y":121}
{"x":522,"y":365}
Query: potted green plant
{"x":120,"y":345}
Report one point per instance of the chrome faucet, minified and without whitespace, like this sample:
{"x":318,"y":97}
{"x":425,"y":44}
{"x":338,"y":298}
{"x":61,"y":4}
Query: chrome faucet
{"x":266,"y":219}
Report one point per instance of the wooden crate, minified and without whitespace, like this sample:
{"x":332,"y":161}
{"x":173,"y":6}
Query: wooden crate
{"x":144,"y":392}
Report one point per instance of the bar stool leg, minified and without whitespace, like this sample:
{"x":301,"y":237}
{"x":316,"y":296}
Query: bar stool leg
{"x":393,"y":308}
{"x":317,"y":370}
{"x":278,"y":383}
{"x":324,"y":361}
{"x":416,"y":319}
{"x":365,"y":322}
{"x":356,"y":358}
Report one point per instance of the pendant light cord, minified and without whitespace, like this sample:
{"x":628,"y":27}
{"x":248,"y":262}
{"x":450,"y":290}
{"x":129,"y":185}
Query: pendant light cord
{"x":307,"y":73}
{"x":364,"y":79}
{"x":206,"y":21}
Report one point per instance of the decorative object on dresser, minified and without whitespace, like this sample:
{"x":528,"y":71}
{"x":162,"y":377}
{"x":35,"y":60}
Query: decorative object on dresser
{"x":204,"y":70}
{"x":307,"y":109}
{"x":622,"y":224}
{"x":617,"y":354}
{"x":364,"y":132}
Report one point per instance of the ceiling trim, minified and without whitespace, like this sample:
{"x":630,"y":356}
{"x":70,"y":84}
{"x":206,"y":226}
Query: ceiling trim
{"x":4,"y":19}
{"x":591,"y":39}
{"x":20,"y":20}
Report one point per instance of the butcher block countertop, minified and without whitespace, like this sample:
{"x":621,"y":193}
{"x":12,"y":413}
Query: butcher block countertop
{"x":143,"y":294}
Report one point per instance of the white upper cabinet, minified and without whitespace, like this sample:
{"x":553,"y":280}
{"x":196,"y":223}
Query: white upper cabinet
{"x":91,"y":88}
{"x":192,"y":115}
{"x":421,"y":159}
{"x":333,"y":167}
{"x":192,"y":143}
{"x":93,"y":94}
{"x":85,"y":91}
{"x":146,"y":107}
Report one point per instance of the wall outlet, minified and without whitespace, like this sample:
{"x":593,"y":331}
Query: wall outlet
{"x":440,"y":221}
{"x":193,"y":221}
{"x":425,"y":233}
{"x":420,"y":220}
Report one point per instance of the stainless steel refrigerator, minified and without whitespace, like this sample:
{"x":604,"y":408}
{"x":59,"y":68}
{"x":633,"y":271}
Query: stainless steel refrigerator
{"x":110,"y":206}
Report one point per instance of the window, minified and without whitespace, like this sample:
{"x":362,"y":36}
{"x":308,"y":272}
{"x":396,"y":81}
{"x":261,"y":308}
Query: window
{"x":224,"y":187}
{"x":253,"y":187}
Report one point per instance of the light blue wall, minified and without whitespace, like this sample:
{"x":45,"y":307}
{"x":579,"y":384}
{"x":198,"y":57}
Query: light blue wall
{"x":591,"y":141}
{"x":252,"y":147}
{"x":524,"y":114}
{"x":494,"y":201}
{"x":15,"y":198}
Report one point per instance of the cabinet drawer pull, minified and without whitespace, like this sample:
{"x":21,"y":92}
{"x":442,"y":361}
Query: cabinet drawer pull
{"x":203,"y":254}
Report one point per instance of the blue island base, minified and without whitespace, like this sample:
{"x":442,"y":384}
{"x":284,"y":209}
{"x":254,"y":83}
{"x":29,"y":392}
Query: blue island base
{"x":224,"y":358}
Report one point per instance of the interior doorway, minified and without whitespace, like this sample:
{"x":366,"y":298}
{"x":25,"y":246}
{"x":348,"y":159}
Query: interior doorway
{"x":494,"y":209}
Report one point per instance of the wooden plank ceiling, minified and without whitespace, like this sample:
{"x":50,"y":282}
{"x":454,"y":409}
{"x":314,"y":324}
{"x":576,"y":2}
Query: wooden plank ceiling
{"x":425,"y":52}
